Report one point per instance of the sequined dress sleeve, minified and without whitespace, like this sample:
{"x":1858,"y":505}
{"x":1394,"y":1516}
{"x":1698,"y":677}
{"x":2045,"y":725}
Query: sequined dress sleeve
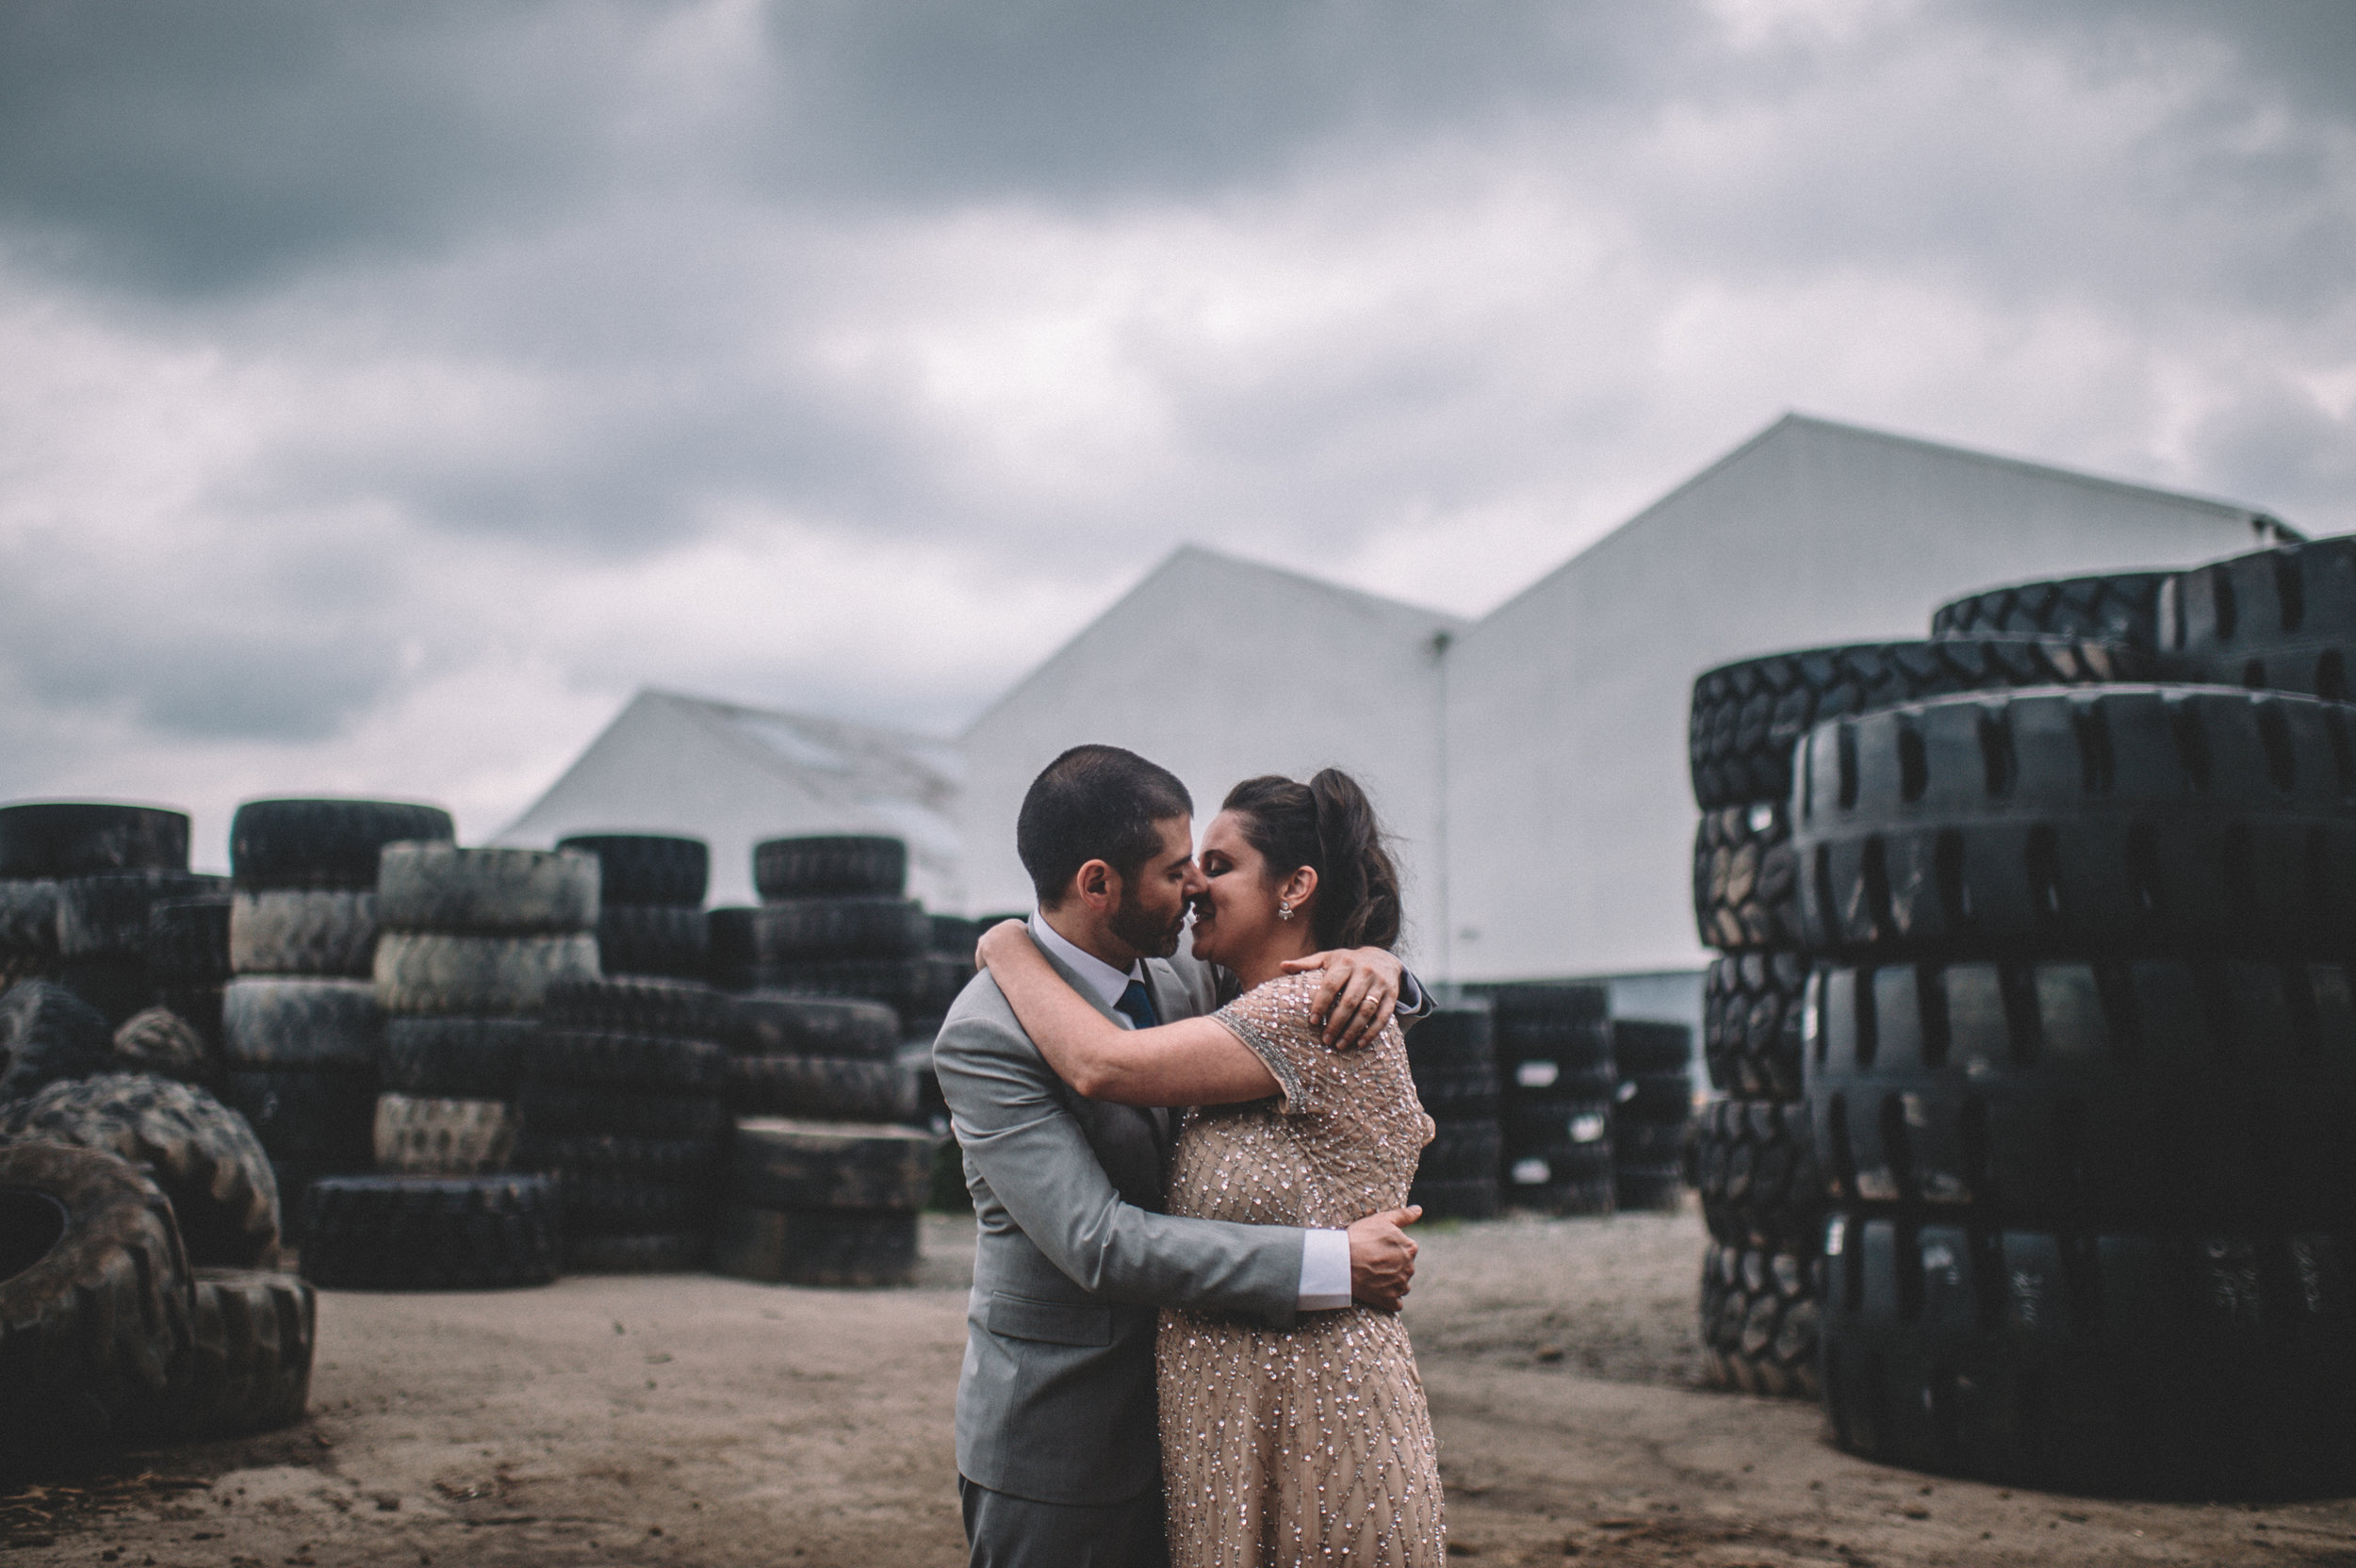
{"x":1312,"y":1443}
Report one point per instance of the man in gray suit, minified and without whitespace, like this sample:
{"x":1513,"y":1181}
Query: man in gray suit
{"x":1058,"y":1447}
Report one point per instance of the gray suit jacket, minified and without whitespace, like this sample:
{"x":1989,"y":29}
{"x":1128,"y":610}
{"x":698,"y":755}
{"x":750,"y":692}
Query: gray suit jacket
{"x":1055,"y":1401}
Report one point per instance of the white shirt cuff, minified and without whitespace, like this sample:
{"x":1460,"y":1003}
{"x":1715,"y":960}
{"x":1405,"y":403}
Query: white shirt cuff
{"x":1324,"y":1270}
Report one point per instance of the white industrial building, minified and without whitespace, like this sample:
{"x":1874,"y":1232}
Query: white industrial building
{"x":1532,"y":763}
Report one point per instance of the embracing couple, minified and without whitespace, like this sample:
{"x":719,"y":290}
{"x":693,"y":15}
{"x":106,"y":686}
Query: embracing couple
{"x":1226,"y":1134}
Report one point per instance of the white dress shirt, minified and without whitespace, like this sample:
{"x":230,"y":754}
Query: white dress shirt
{"x":1324,"y":1254}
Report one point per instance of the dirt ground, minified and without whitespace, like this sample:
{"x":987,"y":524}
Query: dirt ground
{"x":707,"y":1421}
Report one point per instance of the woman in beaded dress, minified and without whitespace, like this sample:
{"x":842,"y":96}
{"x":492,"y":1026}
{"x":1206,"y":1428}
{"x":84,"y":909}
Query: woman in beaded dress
{"x":1309,"y":1444}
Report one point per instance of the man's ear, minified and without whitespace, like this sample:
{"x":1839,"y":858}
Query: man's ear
{"x":1098,"y":886}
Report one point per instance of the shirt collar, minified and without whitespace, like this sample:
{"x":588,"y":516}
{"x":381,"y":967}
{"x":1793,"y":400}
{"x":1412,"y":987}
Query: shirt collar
{"x":1105,"y":980}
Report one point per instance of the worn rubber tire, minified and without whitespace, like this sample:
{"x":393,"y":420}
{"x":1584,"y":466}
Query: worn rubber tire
{"x":646,"y":868}
{"x":204,"y":1156}
{"x":94,"y":1299}
{"x":1642,"y":1045}
{"x":187,"y":941}
{"x":1656,"y":1189}
{"x":780,"y":1024}
{"x":664,"y":1162}
{"x":559,"y":1111}
{"x":2145,"y":1364}
{"x":1462,"y":1151}
{"x":432,"y":1232}
{"x":653,"y":939}
{"x":327,"y":1118}
{"x":1653,"y":1144}
{"x":478,"y":975}
{"x":115,"y":985}
{"x":1746,"y":716}
{"x":832,"y":865}
{"x":105,"y":913}
{"x":1746,"y":882}
{"x":2281,"y":619}
{"x":414,"y":1136}
{"x":827,"y":1247}
{"x":1759,"y":1317}
{"x":247,"y":1367}
{"x":28,"y":919}
{"x":1653,"y":1097}
{"x":55,"y":838}
{"x":48,"y":1033}
{"x":325,"y":844}
{"x":917,"y":987}
{"x":617,"y":1061}
{"x":601,"y":1203}
{"x":1752,"y":1009}
{"x":1550,"y":1143}
{"x":199,"y":1007}
{"x":1473,"y":1198}
{"x":456,"y":1058}
{"x":793,"y":929}
{"x":327,"y":931}
{"x":278,"y":1021}
{"x":821,"y":1088}
{"x":2122,"y":607}
{"x":671,"y":1009}
{"x":442,"y":888}
{"x":680,"y":1252}
{"x":956,"y":936}
{"x":782,"y":1164}
{"x":1453,"y":1056}
{"x":1755,"y":1164}
{"x":162,"y":1044}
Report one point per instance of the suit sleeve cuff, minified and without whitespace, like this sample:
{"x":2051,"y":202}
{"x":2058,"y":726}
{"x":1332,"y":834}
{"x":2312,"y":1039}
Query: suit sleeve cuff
{"x":1413,"y":1001}
{"x":1324,"y":1270}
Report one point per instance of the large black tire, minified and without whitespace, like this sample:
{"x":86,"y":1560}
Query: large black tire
{"x":646,"y":868}
{"x":1752,"y":1009}
{"x":1466,"y":1150}
{"x":48,"y":1033}
{"x":322,"y":1119}
{"x":2282,"y":619}
{"x":1746,"y":882}
{"x":204,"y":1156}
{"x":681,"y":1252}
{"x":1760,"y":1317}
{"x":665,"y":1161}
{"x":1474,"y":1198}
{"x":439,"y":887}
{"x":2129,"y":819}
{"x":1557,"y":1154}
{"x":76,"y":839}
{"x":1746,"y":715}
{"x":303,"y":931}
{"x":821,"y":1088}
{"x":616,"y":1061}
{"x":115,"y":985}
{"x":457,"y":1058}
{"x":798,"y":929}
{"x":2123,"y":607}
{"x":94,"y":1299}
{"x":187,"y":941}
{"x":432,"y":1232}
{"x":1647,"y":1045}
{"x":560,"y":1111}
{"x":1755,"y":1164}
{"x":671,"y":1009}
{"x":833,"y":1247}
{"x":324,"y":844}
{"x":270,"y":1021}
{"x":2146,"y":1093}
{"x":781,"y":1164}
{"x":956,"y":936}
{"x":2144,"y":1363}
{"x":414,"y":1136}
{"x":831,"y":866}
{"x":105,"y":913}
{"x":918,"y":988}
{"x":778,"y":1023}
{"x":248,"y":1364}
{"x":478,"y":975}
{"x":653,"y":939}
{"x":1653,"y":1097}
{"x":1452,"y":1057}
{"x":199,"y":1007}
{"x":606,"y":1202}
{"x":28,"y":922}
{"x":161,"y":1043}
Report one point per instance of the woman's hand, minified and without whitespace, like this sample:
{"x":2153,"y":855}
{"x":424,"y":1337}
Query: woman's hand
{"x":995,"y":941}
{"x":1356,"y":994}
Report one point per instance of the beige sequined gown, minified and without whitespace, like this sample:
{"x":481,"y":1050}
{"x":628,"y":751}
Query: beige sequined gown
{"x":1311,"y":1445}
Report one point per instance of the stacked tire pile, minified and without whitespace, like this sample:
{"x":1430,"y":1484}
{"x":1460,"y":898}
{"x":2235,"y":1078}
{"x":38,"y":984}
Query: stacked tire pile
{"x":187,"y":957}
{"x":833,"y":921}
{"x":2084,"y":1079}
{"x":1652,"y":1109}
{"x":78,"y":882}
{"x":1556,"y":1086}
{"x":471,"y":942}
{"x":1452,"y":1054}
{"x":1754,"y":1158}
{"x":301,"y":1031}
{"x":650,"y":903}
{"x":621,"y":1104}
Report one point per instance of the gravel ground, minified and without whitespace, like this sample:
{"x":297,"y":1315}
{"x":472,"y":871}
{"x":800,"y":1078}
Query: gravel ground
{"x":694,"y":1420}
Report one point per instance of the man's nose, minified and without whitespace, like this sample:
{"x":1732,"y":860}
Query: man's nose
{"x":1196,"y":882}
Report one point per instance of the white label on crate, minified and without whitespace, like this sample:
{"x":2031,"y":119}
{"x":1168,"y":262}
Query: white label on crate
{"x":1536,"y":1075}
{"x":1531,"y":1173}
{"x":1588,"y":1128}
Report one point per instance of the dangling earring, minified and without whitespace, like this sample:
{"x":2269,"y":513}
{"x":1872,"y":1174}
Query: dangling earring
{"x":1283,"y":909}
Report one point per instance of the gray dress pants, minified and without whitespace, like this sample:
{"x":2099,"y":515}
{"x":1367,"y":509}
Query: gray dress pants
{"x":1004,"y":1531}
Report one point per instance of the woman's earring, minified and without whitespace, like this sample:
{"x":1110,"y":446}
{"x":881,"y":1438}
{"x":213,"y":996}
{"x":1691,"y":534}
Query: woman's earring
{"x":1283,"y":910}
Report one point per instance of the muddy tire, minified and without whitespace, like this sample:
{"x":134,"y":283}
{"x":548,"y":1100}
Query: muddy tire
{"x":683,"y":1253}
{"x":774,"y":1023}
{"x":612,"y":1061}
{"x":1761,"y":1317}
{"x":782,"y":1164}
{"x":162,"y":1044}
{"x":456,"y":1058}
{"x":648,"y":868}
{"x":48,"y":1033}
{"x":1755,"y":1164}
{"x":441,"y":888}
{"x":107,"y":913}
{"x":475,"y":975}
{"x":670,"y":1010}
{"x":831,"y":866}
{"x":324,"y":844}
{"x":2122,"y":607}
{"x":420,"y":1137}
{"x":29,"y":920}
{"x":798,"y":929}
{"x":187,"y":941}
{"x":1751,"y":1014}
{"x":77,"y":838}
{"x":432,"y":1232}
{"x":311,"y":1025}
{"x":607,"y":1203}
{"x":94,"y":1299}
{"x":918,"y":988}
{"x":653,"y":939}
{"x":247,"y":1367}
{"x":561,"y":1111}
{"x":661,"y":1162}
{"x":326,"y":931}
{"x":842,"y":1248}
{"x":821,"y":1088}
{"x":204,"y":1156}
{"x":1746,"y":879}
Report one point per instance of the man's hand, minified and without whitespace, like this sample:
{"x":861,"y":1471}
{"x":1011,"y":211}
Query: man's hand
{"x":1355,"y":995}
{"x":1381,"y":1258}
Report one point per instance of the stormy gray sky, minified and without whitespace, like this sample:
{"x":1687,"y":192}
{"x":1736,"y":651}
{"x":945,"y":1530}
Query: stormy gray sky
{"x":391,"y":389}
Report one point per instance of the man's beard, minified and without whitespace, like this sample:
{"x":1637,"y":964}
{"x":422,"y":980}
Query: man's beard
{"x":1147,"y":932}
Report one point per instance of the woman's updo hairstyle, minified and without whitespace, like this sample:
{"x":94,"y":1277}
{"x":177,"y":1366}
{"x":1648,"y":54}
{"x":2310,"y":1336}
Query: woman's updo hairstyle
{"x":1326,"y":825}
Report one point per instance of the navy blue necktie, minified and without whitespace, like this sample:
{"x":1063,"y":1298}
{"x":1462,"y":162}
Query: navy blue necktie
{"x":1137,"y":1005}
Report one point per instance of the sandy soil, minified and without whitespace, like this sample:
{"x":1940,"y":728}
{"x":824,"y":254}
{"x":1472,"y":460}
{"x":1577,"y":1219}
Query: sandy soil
{"x":708,"y":1421}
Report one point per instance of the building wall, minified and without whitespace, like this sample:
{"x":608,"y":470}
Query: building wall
{"x":1219,"y":669}
{"x":1570,"y":813}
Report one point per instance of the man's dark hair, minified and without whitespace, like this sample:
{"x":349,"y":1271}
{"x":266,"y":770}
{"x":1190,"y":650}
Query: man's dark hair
{"x":1094,"y":803}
